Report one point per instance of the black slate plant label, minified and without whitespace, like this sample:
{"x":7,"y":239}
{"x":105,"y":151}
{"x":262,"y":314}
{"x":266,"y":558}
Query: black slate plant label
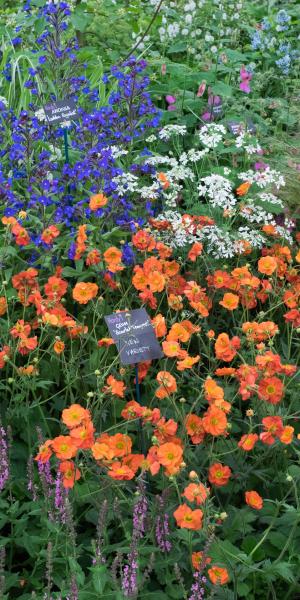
{"x":133,"y":333}
{"x":235,"y":127}
{"x":61,"y":110}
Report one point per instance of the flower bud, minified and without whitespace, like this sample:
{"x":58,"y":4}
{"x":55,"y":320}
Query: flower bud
{"x":193,"y":475}
{"x":97,"y":372}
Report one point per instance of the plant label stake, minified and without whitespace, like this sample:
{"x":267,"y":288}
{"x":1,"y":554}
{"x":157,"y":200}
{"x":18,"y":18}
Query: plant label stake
{"x":133,"y":333}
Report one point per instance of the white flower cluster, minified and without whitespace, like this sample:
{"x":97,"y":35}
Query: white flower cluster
{"x":4,"y":101}
{"x":212,"y":134}
{"x":192,"y":155}
{"x":218,"y":191}
{"x":270,"y":198}
{"x":264,"y":178}
{"x":126,"y":183}
{"x":168,"y":131}
{"x":247,"y":142}
{"x":256,"y":214}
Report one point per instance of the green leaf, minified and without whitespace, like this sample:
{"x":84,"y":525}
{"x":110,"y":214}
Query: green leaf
{"x":99,"y":577}
{"x":80,"y":19}
{"x":222,"y":89}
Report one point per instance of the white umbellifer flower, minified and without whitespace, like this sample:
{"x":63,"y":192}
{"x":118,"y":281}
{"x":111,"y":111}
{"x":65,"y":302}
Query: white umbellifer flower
{"x":248,"y":142}
{"x":219,"y":242}
{"x":252,"y":236}
{"x":192,"y":155}
{"x":152,"y":191}
{"x":161,"y":160}
{"x":218,"y":190}
{"x":169,"y":130}
{"x":126,"y":183}
{"x":55,"y":152}
{"x":264,"y":178}
{"x":40,"y":114}
{"x":185,"y":31}
{"x":151,"y":138}
{"x":211,"y":135}
{"x":227,"y":171}
{"x":271,"y":198}
{"x":256,"y":214}
{"x":4,"y":101}
{"x":115,"y":151}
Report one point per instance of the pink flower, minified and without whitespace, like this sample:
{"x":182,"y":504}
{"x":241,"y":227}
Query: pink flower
{"x":171,"y":101}
{"x":201,"y":89}
{"x":163,"y":69}
{"x":246,"y":77}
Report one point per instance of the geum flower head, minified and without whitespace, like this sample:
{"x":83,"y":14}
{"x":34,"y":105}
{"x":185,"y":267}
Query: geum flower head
{"x":187,"y":518}
{"x":273,"y":428}
{"x":218,"y":575}
{"x":194,"y":428}
{"x":271,"y":390}
{"x":70,"y":473}
{"x":169,"y":456}
{"x":63,"y":447}
{"x":214,"y":421}
{"x":167,"y":385}
{"x":254,"y":500}
{"x":83,"y":292}
{"x":226,"y":348}
{"x":248,"y":441}
{"x":196,"y":492}
{"x":219,"y":474}
{"x":75,"y":415}
{"x":114,"y":387}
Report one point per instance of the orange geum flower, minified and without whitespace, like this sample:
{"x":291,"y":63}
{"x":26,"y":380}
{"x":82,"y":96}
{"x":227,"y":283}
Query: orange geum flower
{"x":156,"y":281}
{"x":20,"y":329}
{"x":159,"y":324}
{"x":219,"y":474}
{"x":187,"y":362}
{"x":163,"y":250}
{"x":212,"y":391}
{"x":273,"y":428}
{"x":172,"y":349}
{"x":105,"y":342}
{"x":101,"y":450}
{"x":199,"y":560}
{"x":175,"y":302}
{"x":44,"y":454}
{"x":254,"y":500}
{"x":120,"y":444}
{"x":70,"y":473}
{"x":27,"y":345}
{"x":83,"y":292}
{"x":4,"y":356}
{"x":248,"y":441}
{"x":286,"y":436}
{"x":58,"y":346}
{"x":187,"y":518}
{"x":139,"y":280}
{"x":196,"y":492}
{"x":55,"y":288}
{"x":218,"y":575}
{"x":165,"y":430}
{"x":133,"y":461}
{"x":75,"y":415}
{"x":225,"y":348}
{"x":63,"y":447}
{"x":97,"y":201}
{"x":120,"y":471}
{"x":267,"y":265}
{"x":163,"y":180}
{"x":93,"y":257}
{"x":225,"y":372}
{"x":3,"y":305}
{"x":195,"y":251}
{"x":114,"y":387}
{"x":230,"y":301}
{"x":214,"y":421}
{"x":169,"y":456}
{"x":270,"y":389}
{"x":142,"y":240}
{"x":112,"y":256}
{"x":243,"y":188}
{"x":83,"y":435}
{"x":48,"y":236}
{"x":194,"y":428}
{"x":167,"y":384}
